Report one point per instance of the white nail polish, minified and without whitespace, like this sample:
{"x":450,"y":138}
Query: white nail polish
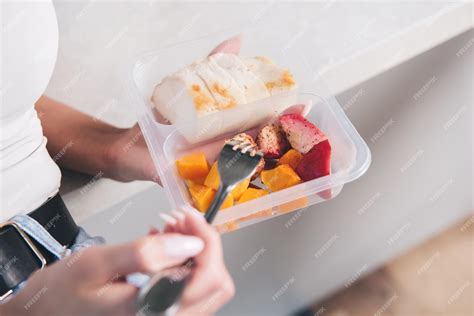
{"x":195,"y":213}
{"x":178,"y":215}
{"x":168,"y":219}
{"x":182,"y":246}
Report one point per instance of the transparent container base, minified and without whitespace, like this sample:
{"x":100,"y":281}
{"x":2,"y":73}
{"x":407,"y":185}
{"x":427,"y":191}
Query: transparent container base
{"x":350,"y":154}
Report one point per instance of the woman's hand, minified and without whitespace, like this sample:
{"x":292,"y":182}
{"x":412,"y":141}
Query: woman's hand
{"x":210,"y":285}
{"x":129,"y":158}
{"x":90,"y":282}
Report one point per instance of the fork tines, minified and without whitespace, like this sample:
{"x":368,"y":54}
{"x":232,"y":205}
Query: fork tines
{"x":243,"y":144}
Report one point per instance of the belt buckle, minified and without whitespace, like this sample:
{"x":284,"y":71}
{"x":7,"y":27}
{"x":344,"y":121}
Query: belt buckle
{"x":30,"y":244}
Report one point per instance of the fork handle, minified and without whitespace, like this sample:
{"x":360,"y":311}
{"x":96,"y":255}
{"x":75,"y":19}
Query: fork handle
{"x":169,"y":290}
{"x":219,"y":198}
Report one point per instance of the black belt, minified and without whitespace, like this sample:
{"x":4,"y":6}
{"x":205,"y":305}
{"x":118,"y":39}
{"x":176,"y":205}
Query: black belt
{"x":20,"y":255}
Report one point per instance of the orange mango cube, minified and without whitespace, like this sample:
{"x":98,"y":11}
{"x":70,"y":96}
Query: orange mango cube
{"x":293,"y":205}
{"x":213,"y":181}
{"x":292,"y":158}
{"x":193,"y":166}
{"x":228,"y":227}
{"x":228,"y":202}
{"x":203,"y":197}
{"x":251,"y":194}
{"x":280,"y":178}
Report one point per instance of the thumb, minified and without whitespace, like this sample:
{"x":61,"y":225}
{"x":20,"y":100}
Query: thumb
{"x":230,"y":46}
{"x":150,"y":254}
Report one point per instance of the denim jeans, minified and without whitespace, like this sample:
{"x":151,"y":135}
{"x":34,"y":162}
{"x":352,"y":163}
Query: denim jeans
{"x":82,"y":241}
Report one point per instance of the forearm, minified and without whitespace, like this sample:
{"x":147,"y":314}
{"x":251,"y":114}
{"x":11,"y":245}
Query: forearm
{"x":76,"y":140}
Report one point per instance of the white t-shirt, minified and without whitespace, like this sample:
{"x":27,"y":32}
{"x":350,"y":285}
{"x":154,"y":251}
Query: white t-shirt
{"x":28,"y":175}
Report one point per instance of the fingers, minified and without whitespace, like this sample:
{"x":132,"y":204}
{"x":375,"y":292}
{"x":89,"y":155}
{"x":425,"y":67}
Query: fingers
{"x":191,"y":222}
{"x":149,"y":254}
{"x":175,"y":222}
{"x":117,"y":299}
{"x":210,"y":285}
{"x":197,"y":226}
{"x":153,"y":231}
{"x":230,"y":46}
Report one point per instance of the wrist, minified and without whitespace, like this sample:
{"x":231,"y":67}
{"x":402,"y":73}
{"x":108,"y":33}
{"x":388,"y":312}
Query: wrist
{"x":9,"y":309}
{"x":113,"y":152}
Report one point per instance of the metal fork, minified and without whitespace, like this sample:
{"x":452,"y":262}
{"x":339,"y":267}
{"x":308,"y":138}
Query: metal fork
{"x":237,"y":161}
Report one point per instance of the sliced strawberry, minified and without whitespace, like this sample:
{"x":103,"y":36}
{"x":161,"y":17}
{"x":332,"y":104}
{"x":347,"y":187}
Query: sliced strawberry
{"x":316,"y":163}
{"x":301,"y":133}
{"x":271,"y":140}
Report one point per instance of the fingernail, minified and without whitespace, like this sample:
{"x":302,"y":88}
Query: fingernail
{"x":183,"y":246}
{"x":168,"y":219}
{"x":179,"y":215}
{"x":195,"y":213}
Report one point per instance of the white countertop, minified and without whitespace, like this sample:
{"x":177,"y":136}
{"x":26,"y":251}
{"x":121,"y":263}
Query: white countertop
{"x":351,"y":41}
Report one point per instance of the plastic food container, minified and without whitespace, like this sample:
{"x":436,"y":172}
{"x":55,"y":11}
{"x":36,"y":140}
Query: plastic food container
{"x":350,"y":154}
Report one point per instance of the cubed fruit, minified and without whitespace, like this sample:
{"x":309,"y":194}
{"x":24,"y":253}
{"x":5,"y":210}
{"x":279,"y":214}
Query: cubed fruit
{"x":293,"y":205}
{"x":261,"y":214}
{"x":280,"y":178}
{"x":240,"y":189}
{"x":228,"y":227}
{"x":203,"y":197}
{"x":316,"y":163}
{"x":292,"y":158}
{"x":228,"y":202}
{"x":251,"y":194}
{"x":301,"y":133}
{"x":193,"y":166}
{"x":271,"y":140}
{"x":196,"y":181}
{"x":213,"y":181}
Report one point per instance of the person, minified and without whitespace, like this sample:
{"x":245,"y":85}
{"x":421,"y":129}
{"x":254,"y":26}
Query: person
{"x":48,"y":265}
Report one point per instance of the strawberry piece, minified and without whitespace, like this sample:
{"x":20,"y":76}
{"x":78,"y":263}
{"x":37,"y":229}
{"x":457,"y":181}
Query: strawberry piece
{"x":301,"y":133}
{"x":271,"y":140}
{"x":316,"y":163}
